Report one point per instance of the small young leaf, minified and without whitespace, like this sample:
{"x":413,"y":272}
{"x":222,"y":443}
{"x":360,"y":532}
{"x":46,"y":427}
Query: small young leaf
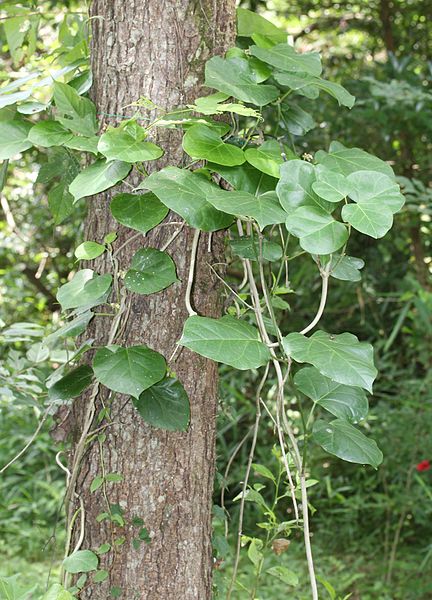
{"x":96,"y":484}
{"x":100,"y":576}
{"x":103,"y":548}
{"x":89,"y":250}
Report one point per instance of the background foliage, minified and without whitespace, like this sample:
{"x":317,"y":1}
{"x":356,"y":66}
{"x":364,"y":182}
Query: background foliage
{"x":372,"y":530}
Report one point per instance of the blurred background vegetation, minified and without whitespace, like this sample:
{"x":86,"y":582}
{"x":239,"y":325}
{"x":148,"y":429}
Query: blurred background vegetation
{"x":372,"y":530}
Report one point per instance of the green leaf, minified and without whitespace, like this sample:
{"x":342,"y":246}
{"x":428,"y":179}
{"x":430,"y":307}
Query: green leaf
{"x":38,"y":352}
{"x":310,"y":86}
{"x":76,"y":113}
{"x":60,"y":202}
{"x":295,"y":187}
{"x":284,"y":575}
{"x":85,"y":289}
{"x":284,"y":57}
{"x":235,"y":77}
{"x":254,"y":551}
{"x":185,"y":193}
{"x":377,"y":197}
{"x":81,"y":561}
{"x":100,"y":576}
{"x":84,"y":144}
{"x":317,"y":231}
{"x":13,"y":138}
{"x":57,"y":592}
{"x":343,"y":401}
{"x":130,"y":370}
{"x":96,"y":484}
{"x":151,"y":271}
{"x":246,"y":178}
{"x":265,"y":209}
{"x":89,"y":250}
{"x":250,"y":23}
{"x":72,"y":384}
{"x":346,"y":268}
{"x":49,"y":133}
{"x":248,"y":248}
{"x":346,"y":442}
{"x":268,"y":157}
{"x":103,"y":548}
{"x":165,"y":405}
{"x":114,"y":477}
{"x":214,"y":105}
{"x":330,"y":185}
{"x":297,"y":120}
{"x":342,"y":357}
{"x":264,"y":471}
{"x":138,"y":211}
{"x":349,"y":160}
{"x":119,"y":144}
{"x":203,"y":142}
{"x":226,"y":340}
{"x":98,"y":177}
{"x":70,"y":329}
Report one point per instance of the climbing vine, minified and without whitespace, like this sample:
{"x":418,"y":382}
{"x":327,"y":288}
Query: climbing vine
{"x":245,"y":177}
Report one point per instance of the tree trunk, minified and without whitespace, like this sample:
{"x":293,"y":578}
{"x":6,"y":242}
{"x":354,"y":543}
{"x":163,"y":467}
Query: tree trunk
{"x":155,"y":49}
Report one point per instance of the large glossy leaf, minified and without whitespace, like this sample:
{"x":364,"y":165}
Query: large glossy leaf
{"x":297,"y":120}
{"x":310,"y":86}
{"x":98,"y":177}
{"x":72,"y":384}
{"x":250,"y":23}
{"x":317,"y":231}
{"x":342,"y":357}
{"x":268,"y":157}
{"x":74,"y":112}
{"x":151,"y":271}
{"x":284,"y":57}
{"x":295,"y":187}
{"x":235,"y":77}
{"x":246,"y":178}
{"x":368,"y":218}
{"x":346,"y":268}
{"x":204,"y":142}
{"x":81,"y":561}
{"x":128,"y":370}
{"x":343,"y":401}
{"x":377,"y":188}
{"x":185,"y":193}
{"x":346,"y":442}
{"x":265,"y":209}
{"x":85,"y":289}
{"x":349,"y":160}
{"x":226,"y":340}
{"x":49,"y":133}
{"x":330,"y":185}
{"x":128,"y":145}
{"x":13,"y":138}
{"x":165,"y":405}
{"x":138,"y":211}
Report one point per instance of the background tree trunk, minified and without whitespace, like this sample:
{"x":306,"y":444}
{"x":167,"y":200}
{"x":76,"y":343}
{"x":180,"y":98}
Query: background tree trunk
{"x":156,"y":49}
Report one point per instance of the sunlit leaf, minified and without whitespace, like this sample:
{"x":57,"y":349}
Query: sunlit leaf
{"x":204,"y":142}
{"x":317,"y":231}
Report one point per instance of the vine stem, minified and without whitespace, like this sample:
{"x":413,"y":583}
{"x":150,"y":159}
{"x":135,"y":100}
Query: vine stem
{"x":190,"y":280}
{"x":31,"y":440}
{"x":246,"y":479}
{"x":325,"y":274}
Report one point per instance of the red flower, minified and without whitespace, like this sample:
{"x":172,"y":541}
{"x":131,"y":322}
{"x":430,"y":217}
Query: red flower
{"x":424,"y":465}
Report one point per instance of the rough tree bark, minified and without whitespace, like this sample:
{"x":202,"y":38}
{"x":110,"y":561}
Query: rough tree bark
{"x":157,"y":49}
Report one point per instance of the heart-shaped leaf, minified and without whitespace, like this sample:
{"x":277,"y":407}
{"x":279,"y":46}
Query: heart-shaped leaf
{"x":343,"y":401}
{"x":49,"y":133}
{"x":269,"y":156}
{"x":151,"y":271}
{"x":342,"y":357}
{"x":81,"y":561}
{"x":185,"y":193}
{"x":120,"y":144}
{"x":89,"y":250}
{"x":74,"y":112}
{"x":372,"y":187}
{"x":284,"y":57}
{"x":349,"y":160}
{"x":235,"y":77}
{"x":226,"y":340}
{"x":265,"y":209}
{"x":317,"y":231}
{"x":72,"y":384}
{"x":165,"y":405}
{"x":346,"y":442}
{"x":295,"y":187}
{"x":128,"y":370}
{"x":98,"y":177}
{"x":85,"y":289}
{"x":204,"y":142}
{"x":138,"y":211}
